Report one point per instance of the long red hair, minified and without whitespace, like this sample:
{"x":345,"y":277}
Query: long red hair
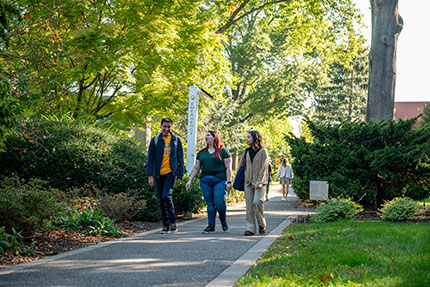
{"x":217,"y":145}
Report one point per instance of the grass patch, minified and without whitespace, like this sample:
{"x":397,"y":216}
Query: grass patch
{"x":346,"y":253}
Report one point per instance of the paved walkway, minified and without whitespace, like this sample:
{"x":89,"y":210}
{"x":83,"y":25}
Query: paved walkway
{"x":187,"y":258}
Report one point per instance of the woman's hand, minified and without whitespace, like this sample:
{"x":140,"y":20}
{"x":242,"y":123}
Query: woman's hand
{"x":228,"y":187}
{"x":187,"y":186}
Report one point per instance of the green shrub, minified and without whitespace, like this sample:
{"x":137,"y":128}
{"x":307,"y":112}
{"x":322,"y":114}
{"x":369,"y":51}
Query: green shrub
{"x":366,"y":161}
{"x":151,"y":210}
{"x":120,"y":206}
{"x":418,"y":191}
{"x":81,"y":154}
{"x":8,"y":117}
{"x":27,"y":206}
{"x":190,"y":200}
{"x":335,"y":209}
{"x":399,"y":209}
{"x":13,"y":242}
{"x":89,"y":222}
{"x":185,"y":201}
{"x":235,"y":196}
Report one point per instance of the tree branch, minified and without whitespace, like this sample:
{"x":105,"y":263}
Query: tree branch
{"x":231,"y":20}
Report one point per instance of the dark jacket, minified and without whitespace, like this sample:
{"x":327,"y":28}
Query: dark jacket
{"x":155,"y":156}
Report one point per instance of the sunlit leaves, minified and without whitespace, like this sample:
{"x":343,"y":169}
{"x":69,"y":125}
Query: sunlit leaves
{"x":100,"y":54}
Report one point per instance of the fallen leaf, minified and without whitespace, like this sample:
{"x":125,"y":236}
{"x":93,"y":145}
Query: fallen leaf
{"x":326,"y":278}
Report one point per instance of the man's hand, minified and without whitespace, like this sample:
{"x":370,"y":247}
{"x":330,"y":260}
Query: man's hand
{"x":179,"y":181}
{"x":151,"y":180}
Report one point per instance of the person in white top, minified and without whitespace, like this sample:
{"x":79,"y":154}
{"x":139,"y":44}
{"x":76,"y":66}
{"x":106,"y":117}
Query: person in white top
{"x":285,"y":176}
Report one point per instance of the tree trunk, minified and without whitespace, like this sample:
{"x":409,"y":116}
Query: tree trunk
{"x":386,"y":27}
{"x":235,"y":161}
{"x":379,"y":194}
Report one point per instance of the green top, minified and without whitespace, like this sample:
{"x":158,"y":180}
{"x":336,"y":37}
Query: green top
{"x":213,"y":165}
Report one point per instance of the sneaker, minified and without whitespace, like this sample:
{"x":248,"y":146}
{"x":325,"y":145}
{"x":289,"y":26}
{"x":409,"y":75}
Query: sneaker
{"x":248,"y":233}
{"x":165,"y":230}
{"x":173,"y":227}
{"x":224,"y":224}
{"x":209,"y":229}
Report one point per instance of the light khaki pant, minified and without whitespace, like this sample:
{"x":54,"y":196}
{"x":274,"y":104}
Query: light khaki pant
{"x":254,"y":198}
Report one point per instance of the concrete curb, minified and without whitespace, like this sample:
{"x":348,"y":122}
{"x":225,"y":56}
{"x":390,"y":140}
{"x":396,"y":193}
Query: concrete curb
{"x":232,"y":274}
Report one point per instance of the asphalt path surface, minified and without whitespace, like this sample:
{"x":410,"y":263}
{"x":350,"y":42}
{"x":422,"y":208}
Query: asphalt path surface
{"x":186,"y":258}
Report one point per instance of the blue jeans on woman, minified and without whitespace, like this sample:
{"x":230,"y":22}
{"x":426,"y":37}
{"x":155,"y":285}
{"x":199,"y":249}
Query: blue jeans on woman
{"x":214,"y":193}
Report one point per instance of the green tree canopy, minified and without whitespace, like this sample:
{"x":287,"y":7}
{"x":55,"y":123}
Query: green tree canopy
{"x":280,"y":53}
{"x":122,"y":59}
{"x":343,"y":97}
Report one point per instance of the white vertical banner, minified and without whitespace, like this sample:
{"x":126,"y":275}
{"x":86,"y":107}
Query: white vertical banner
{"x":193,"y":103}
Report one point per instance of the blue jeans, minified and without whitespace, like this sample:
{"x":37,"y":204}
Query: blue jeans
{"x":165,"y":185}
{"x":214,"y":192}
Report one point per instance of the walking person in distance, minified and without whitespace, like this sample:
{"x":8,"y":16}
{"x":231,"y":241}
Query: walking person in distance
{"x":214,"y":161}
{"x":285,"y":176}
{"x":165,"y":164}
{"x":256,"y":159}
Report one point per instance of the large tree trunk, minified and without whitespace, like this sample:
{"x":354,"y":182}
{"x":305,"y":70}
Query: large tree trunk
{"x":386,"y":27}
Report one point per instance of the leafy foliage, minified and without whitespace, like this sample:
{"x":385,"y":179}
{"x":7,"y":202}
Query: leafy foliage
{"x":121,"y":206}
{"x":235,"y":196}
{"x":190,"y":200}
{"x":151,"y":211}
{"x":8,"y":118}
{"x":364,"y":161}
{"x":399,"y":209}
{"x":335,"y":209}
{"x":27,"y":206}
{"x":344,"y":97}
{"x":425,"y":115}
{"x":280,"y":54}
{"x":89,"y":222}
{"x":13,"y":242}
{"x":185,"y":201}
{"x":81,"y":154}
{"x":98,"y":59}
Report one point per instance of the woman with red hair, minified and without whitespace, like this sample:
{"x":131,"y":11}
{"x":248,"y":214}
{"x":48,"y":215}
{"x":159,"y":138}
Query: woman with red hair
{"x":214,"y":161}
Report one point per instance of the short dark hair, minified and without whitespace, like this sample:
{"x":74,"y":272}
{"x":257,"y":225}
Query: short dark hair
{"x":166,"y":120}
